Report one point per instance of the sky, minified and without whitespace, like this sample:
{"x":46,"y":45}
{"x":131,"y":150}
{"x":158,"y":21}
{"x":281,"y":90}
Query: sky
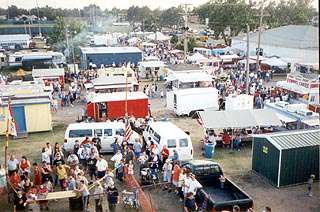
{"x":123,"y":4}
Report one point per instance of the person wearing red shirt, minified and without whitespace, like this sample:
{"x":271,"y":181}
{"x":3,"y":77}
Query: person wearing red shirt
{"x":226,"y":139}
{"x":24,"y":165}
{"x":36,"y":174}
{"x":175,"y":176}
{"x":165,"y":154}
{"x":15,"y":179}
{"x":42,"y":193}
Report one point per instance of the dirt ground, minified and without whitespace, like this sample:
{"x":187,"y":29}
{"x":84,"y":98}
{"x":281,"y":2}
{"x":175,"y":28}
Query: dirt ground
{"x":236,"y":165}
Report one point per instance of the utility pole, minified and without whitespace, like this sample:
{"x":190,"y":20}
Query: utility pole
{"x":185,"y":41}
{"x":259,"y":39}
{"x":247,"y":61}
{"x":40,"y":34}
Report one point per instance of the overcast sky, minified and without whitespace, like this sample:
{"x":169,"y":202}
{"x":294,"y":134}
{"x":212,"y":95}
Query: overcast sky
{"x":123,"y":4}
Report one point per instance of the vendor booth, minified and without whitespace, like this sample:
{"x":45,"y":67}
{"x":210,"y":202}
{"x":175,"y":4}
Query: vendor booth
{"x":102,"y":106}
{"x":152,"y":69}
{"x":113,"y":84}
{"x":302,"y":88}
{"x":49,"y":75}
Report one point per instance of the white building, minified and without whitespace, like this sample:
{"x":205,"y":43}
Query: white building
{"x":293,"y":43}
{"x":11,"y":41}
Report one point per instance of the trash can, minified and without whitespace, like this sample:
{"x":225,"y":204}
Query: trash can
{"x":208,"y":150}
{"x":161,"y":77}
{"x":75,"y":203}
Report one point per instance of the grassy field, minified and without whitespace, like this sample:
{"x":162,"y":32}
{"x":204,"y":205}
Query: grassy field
{"x":32,"y":145}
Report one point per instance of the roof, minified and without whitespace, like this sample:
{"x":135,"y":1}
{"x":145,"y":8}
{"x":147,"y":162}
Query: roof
{"x":51,"y":72}
{"x":17,"y":37}
{"x":26,"y":99}
{"x":167,"y":128}
{"x":189,"y":77}
{"x":85,"y":125}
{"x":238,"y":118}
{"x":293,"y":139}
{"x":115,"y":96}
{"x":291,"y":36}
{"x":151,"y":64}
{"x":111,"y":80}
{"x":109,"y":50}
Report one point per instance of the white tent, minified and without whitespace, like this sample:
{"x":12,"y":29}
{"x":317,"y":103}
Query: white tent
{"x":273,"y":61}
{"x":148,"y":44}
{"x":238,"y":119}
{"x":197,"y":58}
{"x":158,"y":36}
{"x":244,"y":61}
{"x":133,"y":40}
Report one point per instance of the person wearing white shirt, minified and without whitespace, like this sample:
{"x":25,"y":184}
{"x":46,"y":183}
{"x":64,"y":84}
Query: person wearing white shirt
{"x":102,"y":166}
{"x":193,"y":185}
{"x":44,"y":156}
{"x":117,"y":158}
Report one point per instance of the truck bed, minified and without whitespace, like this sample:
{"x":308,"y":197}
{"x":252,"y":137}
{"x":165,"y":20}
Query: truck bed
{"x":223,"y":199}
{"x":218,"y":194}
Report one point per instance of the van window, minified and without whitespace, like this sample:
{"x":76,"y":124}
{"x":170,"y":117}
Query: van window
{"x":171,"y":143}
{"x":80,"y":133}
{"x":107,"y":132}
{"x":98,"y":132}
{"x":183,"y":142}
{"x":120,"y":131}
{"x":157,"y":137}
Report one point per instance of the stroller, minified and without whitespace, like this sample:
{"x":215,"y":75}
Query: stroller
{"x":131,"y":199}
{"x":148,"y":176}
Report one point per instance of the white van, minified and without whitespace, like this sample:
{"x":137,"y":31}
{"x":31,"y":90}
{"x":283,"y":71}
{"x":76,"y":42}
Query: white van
{"x":166,"y":133}
{"x":106,"y":131}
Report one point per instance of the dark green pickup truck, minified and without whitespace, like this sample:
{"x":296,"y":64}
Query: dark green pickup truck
{"x":212,"y":197}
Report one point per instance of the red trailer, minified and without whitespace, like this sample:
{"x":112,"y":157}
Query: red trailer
{"x":102,"y":106}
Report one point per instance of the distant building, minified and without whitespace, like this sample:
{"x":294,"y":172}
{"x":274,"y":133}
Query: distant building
{"x":293,"y":43}
{"x":109,"y":55}
{"x":18,"y":41}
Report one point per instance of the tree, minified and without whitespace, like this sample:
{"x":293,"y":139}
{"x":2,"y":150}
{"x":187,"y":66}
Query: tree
{"x":174,"y":39}
{"x":227,"y":14}
{"x":294,"y":12}
{"x":171,"y":18}
{"x":57,"y":34}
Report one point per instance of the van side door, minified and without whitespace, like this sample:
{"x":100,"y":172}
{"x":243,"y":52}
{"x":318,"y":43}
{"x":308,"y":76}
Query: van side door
{"x":107,"y":139}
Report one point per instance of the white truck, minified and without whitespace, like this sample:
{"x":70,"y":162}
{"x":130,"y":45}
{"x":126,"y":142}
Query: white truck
{"x":189,"y":101}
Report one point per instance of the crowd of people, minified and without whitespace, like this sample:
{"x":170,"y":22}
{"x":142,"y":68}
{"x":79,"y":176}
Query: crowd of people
{"x":62,"y":171}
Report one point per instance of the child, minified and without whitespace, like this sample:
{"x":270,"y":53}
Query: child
{"x":130,"y":168}
{"x":42,"y":193}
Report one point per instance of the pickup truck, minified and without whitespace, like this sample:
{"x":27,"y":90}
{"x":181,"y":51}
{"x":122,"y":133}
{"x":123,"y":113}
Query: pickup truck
{"x":211,"y":195}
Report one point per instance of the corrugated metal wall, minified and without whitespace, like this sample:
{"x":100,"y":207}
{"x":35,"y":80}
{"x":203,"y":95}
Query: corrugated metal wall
{"x":265,"y":159}
{"x":38,"y":117}
{"x":298,"y":164}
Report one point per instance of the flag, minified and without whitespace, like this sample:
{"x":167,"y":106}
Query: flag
{"x":11,"y":124}
{"x":128,"y":131}
{"x":199,"y":120}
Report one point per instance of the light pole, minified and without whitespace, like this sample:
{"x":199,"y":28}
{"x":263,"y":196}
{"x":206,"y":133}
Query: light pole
{"x":259,"y":39}
{"x":247,"y":61}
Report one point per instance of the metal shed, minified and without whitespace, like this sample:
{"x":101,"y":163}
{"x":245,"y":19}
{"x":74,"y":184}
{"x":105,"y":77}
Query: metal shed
{"x":287,"y":158}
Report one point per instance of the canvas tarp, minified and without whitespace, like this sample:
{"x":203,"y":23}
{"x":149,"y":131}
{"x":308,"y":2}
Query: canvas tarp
{"x":238,"y":118}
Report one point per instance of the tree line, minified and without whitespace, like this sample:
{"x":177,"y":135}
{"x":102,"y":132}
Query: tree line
{"x":234,"y":15}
